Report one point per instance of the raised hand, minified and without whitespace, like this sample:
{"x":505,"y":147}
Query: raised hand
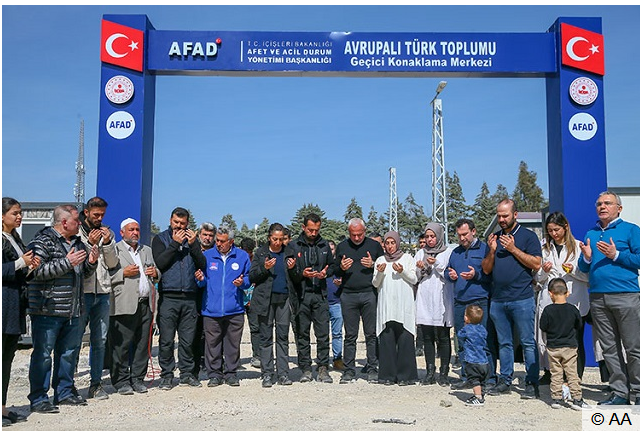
{"x":586,"y":250}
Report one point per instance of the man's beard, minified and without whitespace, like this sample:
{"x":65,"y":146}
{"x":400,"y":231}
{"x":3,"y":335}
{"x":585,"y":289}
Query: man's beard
{"x":131,"y":241}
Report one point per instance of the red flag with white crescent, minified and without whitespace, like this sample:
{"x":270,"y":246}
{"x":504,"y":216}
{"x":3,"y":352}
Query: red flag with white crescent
{"x":122,"y":46}
{"x":582,"y":49}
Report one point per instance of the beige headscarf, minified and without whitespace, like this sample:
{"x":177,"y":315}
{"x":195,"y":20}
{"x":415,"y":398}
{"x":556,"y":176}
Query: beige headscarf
{"x":398,"y":253}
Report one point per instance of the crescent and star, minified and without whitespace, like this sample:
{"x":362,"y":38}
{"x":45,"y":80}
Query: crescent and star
{"x":571,"y":53}
{"x":109,"y":45}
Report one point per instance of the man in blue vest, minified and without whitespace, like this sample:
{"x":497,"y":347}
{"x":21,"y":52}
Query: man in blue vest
{"x":177,"y":253}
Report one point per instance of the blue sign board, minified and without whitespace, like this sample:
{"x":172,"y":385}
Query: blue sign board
{"x":406,"y":53}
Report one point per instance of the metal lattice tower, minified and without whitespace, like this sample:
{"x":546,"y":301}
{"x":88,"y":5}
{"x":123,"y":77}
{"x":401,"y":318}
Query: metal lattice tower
{"x":78,"y":189}
{"x":393,"y":201}
{"x":438,"y":175}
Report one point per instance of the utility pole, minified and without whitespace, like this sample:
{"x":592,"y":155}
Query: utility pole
{"x":438,"y":173}
{"x":393,"y":201}
{"x":78,"y":189}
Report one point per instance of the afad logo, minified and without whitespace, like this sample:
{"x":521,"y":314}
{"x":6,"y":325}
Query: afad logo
{"x":582,"y":49}
{"x":120,"y":125}
{"x":122,"y":46}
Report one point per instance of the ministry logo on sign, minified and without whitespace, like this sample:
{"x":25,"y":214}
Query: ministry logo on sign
{"x":122,"y":46}
{"x":582,"y":49}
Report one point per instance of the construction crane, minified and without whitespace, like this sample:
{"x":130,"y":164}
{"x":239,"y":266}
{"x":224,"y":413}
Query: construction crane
{"x":393,"y":201}
{"x":78,"y":188}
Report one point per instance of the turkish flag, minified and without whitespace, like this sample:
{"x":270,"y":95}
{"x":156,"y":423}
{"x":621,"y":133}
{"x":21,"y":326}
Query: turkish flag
{"x":582,"y":49}
{"x":122,"y":46}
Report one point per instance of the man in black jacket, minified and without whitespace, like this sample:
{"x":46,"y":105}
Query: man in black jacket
{"x":314,"y":263}
{"x":177,"y":253}
{"x":55,"y":304}
{"x":357,"y":256}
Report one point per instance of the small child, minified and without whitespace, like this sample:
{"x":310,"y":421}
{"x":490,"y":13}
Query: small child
{"x":473,"y":336}
{"x":560,"y":321}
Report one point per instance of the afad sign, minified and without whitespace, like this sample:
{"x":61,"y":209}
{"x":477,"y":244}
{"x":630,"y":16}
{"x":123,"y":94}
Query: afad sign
{"x":582,"y":49}
{"x":122,"y":46}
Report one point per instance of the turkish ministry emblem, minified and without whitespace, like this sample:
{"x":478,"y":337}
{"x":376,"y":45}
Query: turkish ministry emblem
{"x":122,"y":46}
{"x":582,"y":49}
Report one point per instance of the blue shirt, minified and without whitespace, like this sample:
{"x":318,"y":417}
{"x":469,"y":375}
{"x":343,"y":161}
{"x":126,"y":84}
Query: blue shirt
{"x":512,"y":280}
{"x":473,"y":338}
{"x":468,"y":291}
{"x":279,"y":285}
{"x":609,"y":276}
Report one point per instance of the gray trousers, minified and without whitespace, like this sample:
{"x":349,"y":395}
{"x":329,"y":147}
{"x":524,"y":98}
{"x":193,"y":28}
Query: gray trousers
{"x":616,"y":320}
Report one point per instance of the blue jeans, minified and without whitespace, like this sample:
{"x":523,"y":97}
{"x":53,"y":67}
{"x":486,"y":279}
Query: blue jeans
{"x":335,"y":316}
{"x":96,"y":314}
{"x":59,"y":335}
{"x":521,"y":315}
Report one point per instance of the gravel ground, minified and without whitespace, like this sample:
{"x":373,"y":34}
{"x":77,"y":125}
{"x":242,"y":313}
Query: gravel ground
{"x":308,"y":406}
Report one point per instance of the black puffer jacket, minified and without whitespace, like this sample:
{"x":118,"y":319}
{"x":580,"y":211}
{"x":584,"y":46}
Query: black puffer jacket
{"x":56,"y":287}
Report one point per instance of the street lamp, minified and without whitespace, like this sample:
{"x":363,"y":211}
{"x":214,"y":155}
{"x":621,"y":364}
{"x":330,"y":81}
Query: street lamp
{"x":438,"y":174}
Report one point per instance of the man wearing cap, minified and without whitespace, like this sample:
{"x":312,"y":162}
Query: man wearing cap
{"x":132,"y":304}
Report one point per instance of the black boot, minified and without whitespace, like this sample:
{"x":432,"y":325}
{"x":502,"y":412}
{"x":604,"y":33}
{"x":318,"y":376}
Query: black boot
{"x":430,"y":377}
{"x":443,"y":379}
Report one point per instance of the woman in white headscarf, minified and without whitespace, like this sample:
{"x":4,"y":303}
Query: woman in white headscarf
{"x":434,"y":303}
{"x":394,"y":276}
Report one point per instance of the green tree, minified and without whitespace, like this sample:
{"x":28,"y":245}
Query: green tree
{"x":244,"y":232}
{"x":527,"y":194}
{"x":228,"y":220}
{"x":155,"y":229}
{"x":412,"y":221}
{"x":192,"y":225}
{"x":500,"y":194}
{"x":375,"y":223}
{"x":334,"y":230}
{"x":483,"y":209}
{"x":353,"y":211}
{"x":456,"y":204}
{"x":263,"y":232}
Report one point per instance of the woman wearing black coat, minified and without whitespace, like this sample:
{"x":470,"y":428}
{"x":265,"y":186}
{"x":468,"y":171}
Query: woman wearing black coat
{"x":17,"y":263}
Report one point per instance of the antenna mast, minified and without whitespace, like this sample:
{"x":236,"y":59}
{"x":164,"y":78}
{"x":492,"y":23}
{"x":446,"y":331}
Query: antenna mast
{"x":78,"y":189}
{"x":393,"y":201}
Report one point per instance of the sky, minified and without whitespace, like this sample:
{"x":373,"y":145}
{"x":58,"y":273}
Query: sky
{"x":260,"y":147}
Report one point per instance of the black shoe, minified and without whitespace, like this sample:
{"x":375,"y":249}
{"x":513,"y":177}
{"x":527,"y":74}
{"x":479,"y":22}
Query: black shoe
{"x":405,"y":383}
{"x":531,"y":391}
{"x":372,"y":376}
{"x":6,"y":421}
{"x":347,"y":377}
{"x":166,"y":383}
{"x":97,"y":392}
{"x":614,"y":399}
{"x":45,"y":407}
{"x":233,"y":381}
{"x":443,"y":380}
{"x":139,"y":387}
{"x":214,"y":382}
{"x":499,"y":389}
{"x":15,"y":417}
{"x":364,"y":369}
{"x":125,"y":390}
{"x":284,"y":380}
{"x":75,"y":400}
{"x":638,"y":400}
{"x":190,"y":381}
{"x":306,"y":377}
{"x":386,"y":382}
{"x":266,"y":381}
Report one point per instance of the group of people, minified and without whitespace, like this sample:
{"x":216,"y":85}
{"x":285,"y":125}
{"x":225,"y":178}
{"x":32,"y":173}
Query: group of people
{"x":196,"y":285}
